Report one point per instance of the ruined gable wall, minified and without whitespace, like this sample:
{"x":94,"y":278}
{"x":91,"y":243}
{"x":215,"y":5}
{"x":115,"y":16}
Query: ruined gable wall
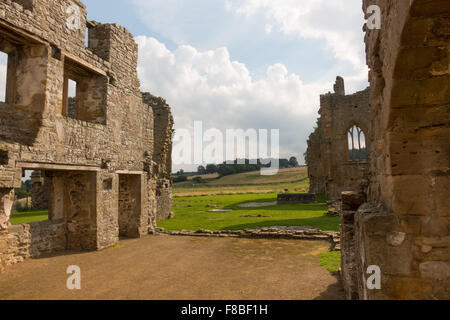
{"x":330,"y":170}
{"x":162,"y":161}
{"x":405,"y":228}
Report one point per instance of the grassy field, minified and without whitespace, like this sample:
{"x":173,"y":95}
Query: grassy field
{"x":28,"y":216}
{"x":254,"y":177}
{"x":247,"y":183}
{"x":192,"y":205}
{"x":300,"y":187}
{"x":192,"y":213}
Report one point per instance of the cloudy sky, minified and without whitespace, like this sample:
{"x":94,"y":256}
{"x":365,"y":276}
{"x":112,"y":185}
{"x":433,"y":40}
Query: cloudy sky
{"x":244,"y":63}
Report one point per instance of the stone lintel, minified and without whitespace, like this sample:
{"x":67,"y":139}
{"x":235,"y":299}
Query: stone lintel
{"x":19,"y":34}
{"x":83,"y":63}
{"x":129,"y":172}
{"x":55,"y":166}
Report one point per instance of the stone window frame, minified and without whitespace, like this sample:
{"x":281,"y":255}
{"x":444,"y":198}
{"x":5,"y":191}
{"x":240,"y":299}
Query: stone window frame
{"x":12,"y":42}
{"x":351,"y":157}
{"x":81,"y":74}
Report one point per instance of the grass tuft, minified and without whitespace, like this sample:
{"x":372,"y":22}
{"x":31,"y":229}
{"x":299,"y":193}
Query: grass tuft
{"x":331,"y":260}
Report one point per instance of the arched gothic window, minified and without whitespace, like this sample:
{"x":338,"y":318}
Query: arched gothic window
{"x":357,"y":144}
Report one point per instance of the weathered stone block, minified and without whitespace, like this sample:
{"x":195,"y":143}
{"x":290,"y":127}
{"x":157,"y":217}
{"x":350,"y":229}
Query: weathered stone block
{"x":435,"y":270}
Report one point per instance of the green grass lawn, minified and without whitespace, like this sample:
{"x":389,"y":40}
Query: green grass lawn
{"x":191,"y":213}
{"x":29,"y":216}
{"x":247,"y":182}
{"x":331,"y":260}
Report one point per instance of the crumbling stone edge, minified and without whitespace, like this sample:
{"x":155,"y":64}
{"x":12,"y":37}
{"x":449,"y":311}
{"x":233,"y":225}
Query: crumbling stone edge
{"x":264,"y":233}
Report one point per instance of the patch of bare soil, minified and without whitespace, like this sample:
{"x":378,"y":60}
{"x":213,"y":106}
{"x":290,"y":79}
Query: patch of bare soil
{"x":165,"y":267}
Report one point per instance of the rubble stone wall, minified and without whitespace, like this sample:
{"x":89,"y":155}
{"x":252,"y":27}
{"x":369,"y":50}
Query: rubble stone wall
{"x":330,"y":169}
{"x":83,"y":148}
{"x":162,"y":160}
{"x":33,"y":240}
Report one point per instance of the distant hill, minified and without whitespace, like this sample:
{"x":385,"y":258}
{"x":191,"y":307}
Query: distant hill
{"x":249,"y":178}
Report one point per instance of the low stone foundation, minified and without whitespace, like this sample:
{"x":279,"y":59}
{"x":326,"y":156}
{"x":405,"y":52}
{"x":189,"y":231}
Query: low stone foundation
{"x":296,"y":198}
{"x":291,"y":233}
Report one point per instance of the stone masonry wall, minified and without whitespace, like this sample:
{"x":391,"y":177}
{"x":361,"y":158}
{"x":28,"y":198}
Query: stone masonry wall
{"x":163,"y":132}
{"x":33,"y":240}
{"x":329,"y":167}
{"x":404,"y":227}
{"x":83,"y":149}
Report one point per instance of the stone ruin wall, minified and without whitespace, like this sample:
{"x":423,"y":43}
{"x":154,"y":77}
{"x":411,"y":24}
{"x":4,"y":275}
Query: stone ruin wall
{"x":329,"y":167}
{"x":162,"y":160}
{"x":404,"y":226}
{"x":110,"y":135}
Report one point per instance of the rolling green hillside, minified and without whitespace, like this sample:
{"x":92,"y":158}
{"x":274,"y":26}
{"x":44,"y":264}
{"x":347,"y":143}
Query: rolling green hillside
{"x":255,"y":177}
{"x":292,"y":179}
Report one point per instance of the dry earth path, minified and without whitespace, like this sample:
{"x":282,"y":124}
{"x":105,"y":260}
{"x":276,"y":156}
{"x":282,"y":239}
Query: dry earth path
{"x":181,"y":268}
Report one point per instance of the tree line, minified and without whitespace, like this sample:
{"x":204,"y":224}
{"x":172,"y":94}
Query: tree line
{"x":240,"y":166}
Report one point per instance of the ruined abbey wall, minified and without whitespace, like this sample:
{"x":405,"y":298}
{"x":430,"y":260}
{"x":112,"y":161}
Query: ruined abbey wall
{"x":330,"y":168}
{"x":404,"y":227}
{"x":84,"y":150}
{"x":162,"y":160}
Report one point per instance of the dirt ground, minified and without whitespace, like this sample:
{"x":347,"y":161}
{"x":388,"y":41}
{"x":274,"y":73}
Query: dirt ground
{"x":181,"y":268}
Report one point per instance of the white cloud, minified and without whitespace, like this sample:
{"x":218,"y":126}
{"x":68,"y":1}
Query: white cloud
{"x":339,"y":22}
{"x":209,"y":86}
{"x":268,"y":28}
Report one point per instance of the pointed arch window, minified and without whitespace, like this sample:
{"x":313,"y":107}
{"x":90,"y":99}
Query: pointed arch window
{"x":357,"y":144}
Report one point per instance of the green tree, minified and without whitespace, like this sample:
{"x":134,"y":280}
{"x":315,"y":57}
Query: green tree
{"x":22,"y":192}
{"x":201,"y":170}
{"x":284,"y":163}
{"x":211,"y":168}
{"x":293,"y":162}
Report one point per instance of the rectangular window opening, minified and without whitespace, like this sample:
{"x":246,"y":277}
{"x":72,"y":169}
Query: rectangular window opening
{"x":71,"y":98}
{"x":84,"y":93}
{"x":3,"y":75}
{"x":86,"y":38}
{"x":31,"y":199}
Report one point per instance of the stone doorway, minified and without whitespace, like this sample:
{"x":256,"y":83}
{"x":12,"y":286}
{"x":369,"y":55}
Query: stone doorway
{"x":73,"y":201}
{"x":130,"y":206}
